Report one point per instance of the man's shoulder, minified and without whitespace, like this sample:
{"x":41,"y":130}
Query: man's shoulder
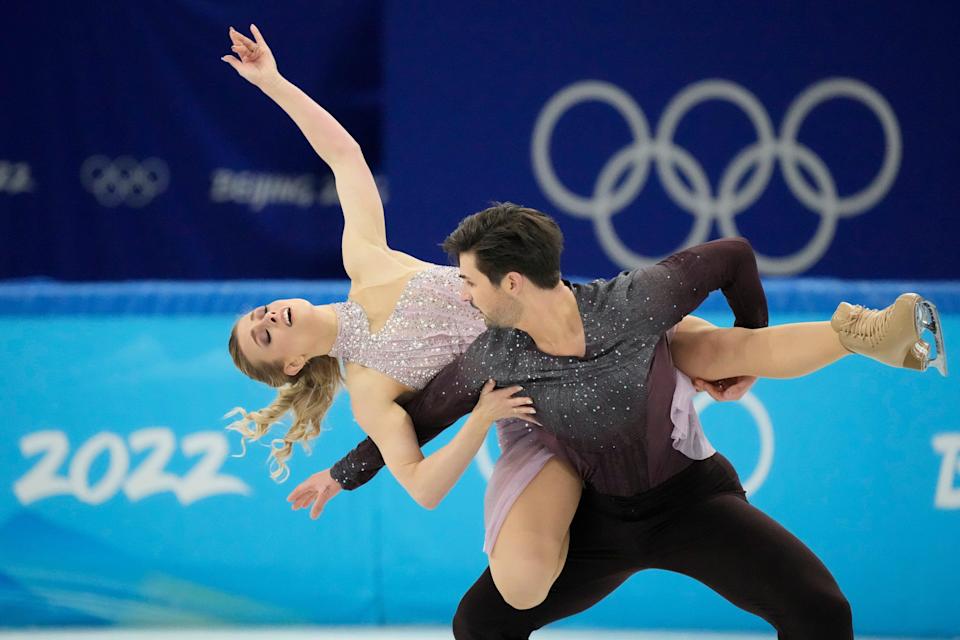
{"x":495,"y":349}
{"x":494,"y":340}
{"x":598,"y":294}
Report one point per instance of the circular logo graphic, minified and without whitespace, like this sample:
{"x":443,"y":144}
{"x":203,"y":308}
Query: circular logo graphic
{"x":125,"y":180}
{"x":625,"y":174}
{"x":764,"y":430}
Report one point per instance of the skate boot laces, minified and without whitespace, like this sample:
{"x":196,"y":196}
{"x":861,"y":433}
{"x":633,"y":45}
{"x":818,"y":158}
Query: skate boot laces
{"x":867,"y":324}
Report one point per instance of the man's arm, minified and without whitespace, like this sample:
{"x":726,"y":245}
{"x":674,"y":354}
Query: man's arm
{"x":362,"y":463}
{"x":675,"y":287}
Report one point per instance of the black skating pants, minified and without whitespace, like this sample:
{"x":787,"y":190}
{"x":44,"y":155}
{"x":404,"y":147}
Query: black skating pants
{"x":697,"y":523}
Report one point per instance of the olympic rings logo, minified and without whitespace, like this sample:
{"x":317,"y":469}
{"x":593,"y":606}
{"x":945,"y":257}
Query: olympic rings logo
{"x":731,"y":198}
{"x":15,"y":177}
{"x":124,"y":181}
{"x":486,"y":463}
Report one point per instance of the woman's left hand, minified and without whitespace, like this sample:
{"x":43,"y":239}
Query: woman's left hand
{"x":726,"y":389}
{"x":256,"y":63}
{"x":314,"y":492}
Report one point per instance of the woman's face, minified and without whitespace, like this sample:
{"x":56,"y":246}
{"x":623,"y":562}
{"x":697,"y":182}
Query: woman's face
{"x":278,"y":332}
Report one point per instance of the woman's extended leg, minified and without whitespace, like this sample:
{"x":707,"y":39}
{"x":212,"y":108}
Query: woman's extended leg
{"x":702,"y":350}
{"x":891,"y":336}
{"x":532,"y":544}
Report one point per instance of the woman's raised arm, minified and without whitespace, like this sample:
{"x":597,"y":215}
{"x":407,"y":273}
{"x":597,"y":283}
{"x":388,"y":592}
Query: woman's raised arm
{"x":364,"y":234}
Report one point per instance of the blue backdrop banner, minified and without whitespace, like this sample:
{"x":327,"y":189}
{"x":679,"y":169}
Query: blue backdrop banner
{"x":121,"y":503}
{"x":130,"y":150}
{"x":821,"y":131}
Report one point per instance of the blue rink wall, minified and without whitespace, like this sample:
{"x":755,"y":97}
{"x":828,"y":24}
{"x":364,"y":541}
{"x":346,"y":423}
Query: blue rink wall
{"x":121,"y":504}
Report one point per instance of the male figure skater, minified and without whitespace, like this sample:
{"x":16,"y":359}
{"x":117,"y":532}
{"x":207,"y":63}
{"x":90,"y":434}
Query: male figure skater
{"x":595,"y":360}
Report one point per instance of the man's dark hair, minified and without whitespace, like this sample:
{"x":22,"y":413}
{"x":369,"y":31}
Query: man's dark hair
{"x":507,"y":237}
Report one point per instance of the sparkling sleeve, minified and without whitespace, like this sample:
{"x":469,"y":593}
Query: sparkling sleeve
{"x":445,"y":399}
{"x":357,"y":467}
{"x":675,"y":287}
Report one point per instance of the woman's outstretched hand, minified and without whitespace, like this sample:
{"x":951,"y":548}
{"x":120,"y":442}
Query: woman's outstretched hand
{"x":254,"y":60}
{"x":317,"y":490}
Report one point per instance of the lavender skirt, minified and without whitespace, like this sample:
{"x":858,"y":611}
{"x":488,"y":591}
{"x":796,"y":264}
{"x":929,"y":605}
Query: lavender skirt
{"x":523,"y":455}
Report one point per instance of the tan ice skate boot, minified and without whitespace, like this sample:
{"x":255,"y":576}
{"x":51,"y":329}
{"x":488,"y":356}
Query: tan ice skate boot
{"x":892,"y":335}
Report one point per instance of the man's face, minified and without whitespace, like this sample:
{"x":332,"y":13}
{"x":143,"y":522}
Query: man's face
{"x":498,"y":303}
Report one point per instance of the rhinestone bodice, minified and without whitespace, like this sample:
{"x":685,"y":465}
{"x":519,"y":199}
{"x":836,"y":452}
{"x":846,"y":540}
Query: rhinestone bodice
{"x":429,"y":326}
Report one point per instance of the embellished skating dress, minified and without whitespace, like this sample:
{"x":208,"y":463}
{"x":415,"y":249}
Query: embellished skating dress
{"x":429,"y":327}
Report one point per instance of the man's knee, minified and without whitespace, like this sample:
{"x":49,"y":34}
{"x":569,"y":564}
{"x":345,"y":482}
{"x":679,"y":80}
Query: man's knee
{"x":465,"y":625}
{"x":483,"y":615}
{"x":474,"y":621}
{"x":824,"y":613}
{"x":833,"y":610}
{"x":468,"y":623}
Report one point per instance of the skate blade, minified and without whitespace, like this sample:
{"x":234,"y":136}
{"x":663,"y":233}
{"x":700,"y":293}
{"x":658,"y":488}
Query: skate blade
{"x":928,"y":318}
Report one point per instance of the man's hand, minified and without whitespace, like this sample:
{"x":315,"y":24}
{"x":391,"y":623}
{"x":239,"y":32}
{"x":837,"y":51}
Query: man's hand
{"x":318,"y":489}
{"x":726,"y":389}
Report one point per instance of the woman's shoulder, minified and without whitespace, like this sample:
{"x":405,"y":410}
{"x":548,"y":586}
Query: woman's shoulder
{"x":383,"y":265}
{"x":390,"y":273}
{"x":386,"y":275}
{"x":410,"y":261}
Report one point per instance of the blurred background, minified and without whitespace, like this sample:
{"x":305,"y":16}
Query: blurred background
{"x":148,"y":195}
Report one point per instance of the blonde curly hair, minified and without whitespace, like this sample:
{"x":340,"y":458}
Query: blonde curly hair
{"x":308,"y":394}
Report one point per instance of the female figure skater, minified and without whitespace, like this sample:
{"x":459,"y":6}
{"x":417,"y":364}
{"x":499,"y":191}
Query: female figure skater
{"x":404,"y":320}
